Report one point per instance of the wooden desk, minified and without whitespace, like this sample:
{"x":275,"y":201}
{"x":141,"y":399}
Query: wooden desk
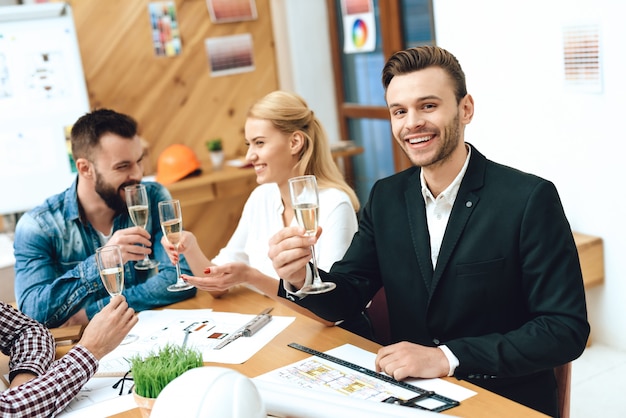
{"x":312,"y":334}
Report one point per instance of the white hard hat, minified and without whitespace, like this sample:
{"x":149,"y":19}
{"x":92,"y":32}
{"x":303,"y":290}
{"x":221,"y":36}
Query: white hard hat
{"x":209,"y":392}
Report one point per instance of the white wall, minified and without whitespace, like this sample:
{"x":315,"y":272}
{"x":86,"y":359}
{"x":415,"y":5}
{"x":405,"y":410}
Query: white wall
{"x":525,"y":117}
{"x":303,"y":57}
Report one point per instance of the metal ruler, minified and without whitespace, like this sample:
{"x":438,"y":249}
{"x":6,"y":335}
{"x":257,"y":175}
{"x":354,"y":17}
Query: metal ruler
{"x":422,"y":393}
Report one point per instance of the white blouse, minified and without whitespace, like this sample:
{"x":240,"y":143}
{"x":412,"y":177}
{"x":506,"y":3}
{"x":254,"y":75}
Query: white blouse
{"x":262,"y":218}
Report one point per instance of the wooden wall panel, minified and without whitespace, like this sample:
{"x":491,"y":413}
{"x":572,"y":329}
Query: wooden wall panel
{"x":174,"y":99}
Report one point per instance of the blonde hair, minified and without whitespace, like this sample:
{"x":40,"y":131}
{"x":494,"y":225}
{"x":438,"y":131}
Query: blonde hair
{"x":289,"y":113}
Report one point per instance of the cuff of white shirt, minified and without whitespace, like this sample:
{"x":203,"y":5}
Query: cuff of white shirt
{"x":452,"y":359}
{"x":291,"y":292}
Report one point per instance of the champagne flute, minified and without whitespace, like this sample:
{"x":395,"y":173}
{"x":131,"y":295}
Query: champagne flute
{"x":172,"y":225}
{"x":305,"y":203}
{"x":111,"y":267}
{"x":137,"y":202}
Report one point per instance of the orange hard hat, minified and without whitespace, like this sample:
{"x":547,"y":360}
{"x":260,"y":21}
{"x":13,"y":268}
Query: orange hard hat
{"x":176,"y":162}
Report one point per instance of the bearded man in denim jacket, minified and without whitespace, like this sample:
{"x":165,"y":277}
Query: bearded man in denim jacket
{"x":56,"y":277}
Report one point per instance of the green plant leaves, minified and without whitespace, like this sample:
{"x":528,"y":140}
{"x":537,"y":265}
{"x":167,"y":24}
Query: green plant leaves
{"x":153,"y":372}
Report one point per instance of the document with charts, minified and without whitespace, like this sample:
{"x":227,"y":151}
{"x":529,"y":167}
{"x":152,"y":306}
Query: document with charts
{"x":318,"y":374}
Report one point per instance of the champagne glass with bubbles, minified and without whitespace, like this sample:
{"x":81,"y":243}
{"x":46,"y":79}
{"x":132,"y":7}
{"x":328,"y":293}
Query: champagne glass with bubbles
{"x":111,"y":267}
{"x":137,"y":202}
{"x":172,"y":225}
{"x":305,"y":203}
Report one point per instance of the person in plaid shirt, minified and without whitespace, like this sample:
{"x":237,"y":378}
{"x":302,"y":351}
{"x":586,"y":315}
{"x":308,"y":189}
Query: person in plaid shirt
{"x":41,"y":386}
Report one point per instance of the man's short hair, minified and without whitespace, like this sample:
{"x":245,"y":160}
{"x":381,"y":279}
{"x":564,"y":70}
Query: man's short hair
{"x":89,"y":128}
{"x":419,"y":58}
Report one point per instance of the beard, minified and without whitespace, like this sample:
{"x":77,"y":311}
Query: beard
{"x":450,"y":138}
{"x":111,"y":195}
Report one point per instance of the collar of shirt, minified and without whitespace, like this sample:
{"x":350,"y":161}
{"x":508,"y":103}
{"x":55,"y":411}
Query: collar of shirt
{"x":449,"y":194}
{"x":71,"y":206}
{"x":438,"y":209}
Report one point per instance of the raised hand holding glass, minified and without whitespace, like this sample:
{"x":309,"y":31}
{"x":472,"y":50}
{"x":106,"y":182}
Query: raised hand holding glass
{"x":138,"y":209}
{"x":305,"y":203}
{"x":111,"y":267}
{"x":172,"y":225}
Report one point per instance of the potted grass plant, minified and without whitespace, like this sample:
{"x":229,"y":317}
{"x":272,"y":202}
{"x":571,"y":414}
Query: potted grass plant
{"x":214,"y":146}
{"x":153,"y":372}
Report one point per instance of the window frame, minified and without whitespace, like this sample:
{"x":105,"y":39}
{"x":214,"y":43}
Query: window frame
{"x":392,"y":40}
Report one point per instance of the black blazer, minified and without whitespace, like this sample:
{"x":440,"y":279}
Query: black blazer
{"x":506,"y":295}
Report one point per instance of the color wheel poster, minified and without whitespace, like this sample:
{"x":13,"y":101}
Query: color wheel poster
{"x":359,"y":26}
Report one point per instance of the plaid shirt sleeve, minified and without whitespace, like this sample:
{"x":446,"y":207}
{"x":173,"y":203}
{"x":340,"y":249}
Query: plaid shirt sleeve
{"x":31,"y":348}
{"x":48,"y":394}
{"x":28,"y":343}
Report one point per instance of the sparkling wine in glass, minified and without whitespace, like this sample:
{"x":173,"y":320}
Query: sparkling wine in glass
{"x":137,"y":202}
{"x":111,"y":267}
{"x":172,"y":225}
{"x":305,"y":203}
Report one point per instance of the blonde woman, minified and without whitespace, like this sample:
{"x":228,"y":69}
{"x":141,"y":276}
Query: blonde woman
{"x":285,"y":139}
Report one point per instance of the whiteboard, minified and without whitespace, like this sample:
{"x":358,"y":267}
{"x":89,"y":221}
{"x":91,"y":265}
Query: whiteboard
{"x":42,"y":93}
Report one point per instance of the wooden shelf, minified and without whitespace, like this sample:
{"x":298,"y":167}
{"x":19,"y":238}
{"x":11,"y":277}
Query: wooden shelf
{"x":213,"y":184}
{"x":591,"y":255}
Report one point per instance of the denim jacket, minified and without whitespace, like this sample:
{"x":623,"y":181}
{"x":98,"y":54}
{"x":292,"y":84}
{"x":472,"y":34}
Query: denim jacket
{"x":55,"y":268}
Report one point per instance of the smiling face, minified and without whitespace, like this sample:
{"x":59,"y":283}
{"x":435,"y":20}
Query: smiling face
{"x":426,"y":119}
{"x":118,"y":163}
{"x":272,"y":152}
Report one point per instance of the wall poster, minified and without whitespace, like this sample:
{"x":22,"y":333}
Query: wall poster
{"x":359,"y":26}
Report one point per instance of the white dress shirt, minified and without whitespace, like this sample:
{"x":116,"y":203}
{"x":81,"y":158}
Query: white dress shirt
{"x":438,"y":211}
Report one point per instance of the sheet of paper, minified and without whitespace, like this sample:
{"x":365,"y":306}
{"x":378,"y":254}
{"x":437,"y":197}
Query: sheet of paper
{"x":315,"y":373}
{"x":285,"y":400}
{"x":98,"y":398}
{"x":366,"y":359}
{"x":206,"y":329}
{"x":95,"y":393}
{"x":106,"y":408}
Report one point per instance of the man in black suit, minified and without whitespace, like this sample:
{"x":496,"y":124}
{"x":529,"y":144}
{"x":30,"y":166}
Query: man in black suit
{"x":477,"y":259}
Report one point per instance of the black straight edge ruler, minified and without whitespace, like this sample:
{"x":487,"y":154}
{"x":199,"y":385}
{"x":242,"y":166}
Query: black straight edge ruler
{"x":423,"y":394}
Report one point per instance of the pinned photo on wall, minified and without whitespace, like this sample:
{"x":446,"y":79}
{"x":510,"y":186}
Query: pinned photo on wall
{"x":67,"y":130}
{"x":359,"y":26}
{"x":230,"y":54}
{"x":224,"y":11}
{"x":165,"y":32}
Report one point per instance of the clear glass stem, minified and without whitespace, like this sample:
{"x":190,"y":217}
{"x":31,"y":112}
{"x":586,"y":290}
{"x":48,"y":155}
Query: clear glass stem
{"x":318,"y":286}
{"x":146,"y":263}
{"x":180,"y":284}
{"x":316,"y":274}
{"x":179,"y":280}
